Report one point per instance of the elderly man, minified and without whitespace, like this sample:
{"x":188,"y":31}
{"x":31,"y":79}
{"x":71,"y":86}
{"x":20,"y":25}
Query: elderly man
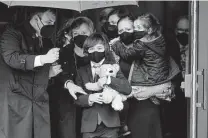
{"x":182,"y":33}
{"x":178,"y":48}
{"x":25,"y":69}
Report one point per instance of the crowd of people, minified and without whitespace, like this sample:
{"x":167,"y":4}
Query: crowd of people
{"x":58,"y":91}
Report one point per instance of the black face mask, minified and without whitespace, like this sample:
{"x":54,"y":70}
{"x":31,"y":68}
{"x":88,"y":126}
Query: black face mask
{"x":96,"y":56}
{"x":182,"y":38}
{"x":79,"y":40}
{"x":126,"y":38}
{"x":139,"y":34}
{"x":110,"y":30}
{"x":47,"y":31}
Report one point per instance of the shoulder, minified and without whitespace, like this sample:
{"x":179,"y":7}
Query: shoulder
{"x":109,"y":58}
{"x":138,"y":45}
{"x":11,"y":31}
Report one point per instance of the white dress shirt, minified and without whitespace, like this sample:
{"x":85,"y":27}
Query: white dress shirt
{"x":37,"y":61}
{"x":93,"y":65}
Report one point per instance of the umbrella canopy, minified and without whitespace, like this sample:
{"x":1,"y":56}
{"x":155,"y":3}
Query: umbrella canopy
{"x":79,"y":5}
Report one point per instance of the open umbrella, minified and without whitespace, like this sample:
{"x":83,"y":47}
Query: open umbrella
{"x":79,"y":5}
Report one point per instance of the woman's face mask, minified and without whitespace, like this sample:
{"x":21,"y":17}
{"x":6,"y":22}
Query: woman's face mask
{"x":127,"y":37}
{"x":125,"y":31}
{"x":110,"y":30}
{"x":79,"y":40}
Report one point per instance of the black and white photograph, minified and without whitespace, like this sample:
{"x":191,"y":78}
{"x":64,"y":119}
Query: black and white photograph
{"x":103,"y":69}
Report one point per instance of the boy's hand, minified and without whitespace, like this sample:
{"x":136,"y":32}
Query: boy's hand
{"x":102,"y":81}
{"x":96,"y":98}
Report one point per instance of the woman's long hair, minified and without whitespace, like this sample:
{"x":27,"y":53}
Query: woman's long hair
{"x":65,"y":29}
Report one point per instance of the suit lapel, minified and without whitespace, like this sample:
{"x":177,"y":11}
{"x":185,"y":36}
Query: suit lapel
{"x":89,"y":73}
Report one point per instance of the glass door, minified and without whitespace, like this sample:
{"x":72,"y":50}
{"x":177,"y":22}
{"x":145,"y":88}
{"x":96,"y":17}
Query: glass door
{"x":199,"y":69}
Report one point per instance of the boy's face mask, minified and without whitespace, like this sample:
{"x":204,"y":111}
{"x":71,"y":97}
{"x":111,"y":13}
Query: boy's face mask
{"x":96,"y":56}
{"x":96,"y":53}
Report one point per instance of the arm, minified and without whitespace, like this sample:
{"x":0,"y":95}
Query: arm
{"x":120,"y":84}
{"x":149,"y":91}
{"x":131,"y":53}
{"x":67,"y":62}
{"x":82,"y":100}
{"x":12,"y":54}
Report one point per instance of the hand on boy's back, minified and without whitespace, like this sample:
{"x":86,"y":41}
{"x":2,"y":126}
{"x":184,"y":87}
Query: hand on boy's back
{"x":113,"y":41}
{"x":74,"y":89}
{"x":96,"y":98}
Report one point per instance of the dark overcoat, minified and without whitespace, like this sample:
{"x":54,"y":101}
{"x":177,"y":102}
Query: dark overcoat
{"x":24,"y":101}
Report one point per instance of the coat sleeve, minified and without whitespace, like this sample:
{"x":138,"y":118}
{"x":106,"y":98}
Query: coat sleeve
{"x":10,"y":44}
{"x":67,"y":62}
{"x":82,"y":100}
{"x":120,"y":84}
{"x":129,"y":54}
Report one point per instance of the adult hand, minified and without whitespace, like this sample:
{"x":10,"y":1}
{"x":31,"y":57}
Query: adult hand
{"x":73,"y":89}
{"x":113,"y":41}
{"x":51,"y":56}
{"x":166,"y":93}
{"x":55,"y":70}
{"x":96,"y":98}
{"x":142,"y":95}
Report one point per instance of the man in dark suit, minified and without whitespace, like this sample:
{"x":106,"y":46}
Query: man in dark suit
{"x":178,"y":48}
{"x":99,"y":120}
{"x":25,"y":69}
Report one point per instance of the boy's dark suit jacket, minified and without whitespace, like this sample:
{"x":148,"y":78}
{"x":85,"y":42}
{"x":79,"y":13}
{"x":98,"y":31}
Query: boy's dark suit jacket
{"x":90,"y":113}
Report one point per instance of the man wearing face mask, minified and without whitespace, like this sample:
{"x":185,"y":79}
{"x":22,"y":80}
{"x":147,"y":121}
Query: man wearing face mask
{"x":178,"y":48}
{"x":26,"y":58}
{"x":182,"y":33}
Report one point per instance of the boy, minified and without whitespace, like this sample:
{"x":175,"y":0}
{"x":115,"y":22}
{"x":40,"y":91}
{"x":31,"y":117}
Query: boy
{"x":99,"y":120}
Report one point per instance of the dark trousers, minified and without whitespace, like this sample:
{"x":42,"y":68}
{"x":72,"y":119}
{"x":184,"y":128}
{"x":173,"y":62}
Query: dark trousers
{"x":62,"y":113}
{"x":174,"y":115}
{"x":102,"y":132}
{"x":144,"y":119}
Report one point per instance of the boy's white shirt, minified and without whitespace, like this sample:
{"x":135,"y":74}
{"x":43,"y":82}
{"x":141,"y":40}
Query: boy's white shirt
{"x":95,"y":64}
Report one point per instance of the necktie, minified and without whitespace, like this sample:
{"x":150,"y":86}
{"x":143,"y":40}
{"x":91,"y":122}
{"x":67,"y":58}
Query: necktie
{"x":40,"y":41}
{"x":96,"y":77}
